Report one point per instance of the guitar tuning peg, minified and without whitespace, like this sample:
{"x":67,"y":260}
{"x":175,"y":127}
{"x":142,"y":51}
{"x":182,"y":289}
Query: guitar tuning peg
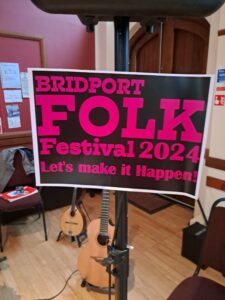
{"x":130,"y":247}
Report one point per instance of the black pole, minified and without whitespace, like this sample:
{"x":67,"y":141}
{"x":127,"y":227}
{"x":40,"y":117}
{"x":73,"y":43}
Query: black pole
{"x":121,"y":64}
{"x":121,"y":25}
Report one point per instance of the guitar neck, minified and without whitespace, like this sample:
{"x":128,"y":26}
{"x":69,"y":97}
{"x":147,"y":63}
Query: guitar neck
{"x":74,"y":200}
{"x":104,"y":213}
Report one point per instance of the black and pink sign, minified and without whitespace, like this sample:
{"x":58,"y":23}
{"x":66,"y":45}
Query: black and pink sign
{"x":121,"y":131}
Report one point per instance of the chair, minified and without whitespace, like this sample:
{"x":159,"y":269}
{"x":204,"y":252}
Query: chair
{"x":212,"y":255}
{"x":20,"y":178}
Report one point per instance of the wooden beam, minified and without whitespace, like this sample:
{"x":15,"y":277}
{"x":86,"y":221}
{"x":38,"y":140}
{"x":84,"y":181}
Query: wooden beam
{"x":221,"y":32}
{"x":215,"y":163}
{"x":14,"y":139}
{"x":215,"y":183}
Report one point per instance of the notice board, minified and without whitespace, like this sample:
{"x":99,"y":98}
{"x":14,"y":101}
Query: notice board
{"x":26,"y":51}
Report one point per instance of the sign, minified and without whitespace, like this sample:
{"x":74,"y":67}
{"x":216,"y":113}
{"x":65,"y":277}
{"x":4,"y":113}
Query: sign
{"x":221,"y":75}
{"x":219,"y":100}
{"x":121,"y":131}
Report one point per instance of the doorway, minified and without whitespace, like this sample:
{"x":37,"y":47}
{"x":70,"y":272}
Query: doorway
{"x":171,"y":46}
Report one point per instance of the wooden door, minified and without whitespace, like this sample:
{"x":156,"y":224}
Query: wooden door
{"x":174,"y":46}
{"x":184,"y":47}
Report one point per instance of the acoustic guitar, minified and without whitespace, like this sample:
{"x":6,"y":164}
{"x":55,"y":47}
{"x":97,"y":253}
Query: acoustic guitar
{"x":73,"y":220}
{"x":100,"y":234}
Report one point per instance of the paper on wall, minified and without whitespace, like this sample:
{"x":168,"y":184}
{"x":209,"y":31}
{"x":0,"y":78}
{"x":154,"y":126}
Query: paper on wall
{"x":10,"y":75}
{"x":13,"y":116}
{"x":11,"y":96}
{"x":24,"y":84}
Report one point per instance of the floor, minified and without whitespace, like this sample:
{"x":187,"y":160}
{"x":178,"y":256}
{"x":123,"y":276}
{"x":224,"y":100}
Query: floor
{"x":36,"y":269}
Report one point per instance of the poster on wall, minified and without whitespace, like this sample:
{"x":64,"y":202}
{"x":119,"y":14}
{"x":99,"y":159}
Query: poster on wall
{"x":121,"y":131}
{"x":10,"y":75}
{"x":13,"y":116}
{"x":219,"y":98}
{"x":24,"y":84}
{"x":11,"y":96}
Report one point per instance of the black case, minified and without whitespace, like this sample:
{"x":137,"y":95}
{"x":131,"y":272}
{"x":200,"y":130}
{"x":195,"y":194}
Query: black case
{"x":193,"y":237}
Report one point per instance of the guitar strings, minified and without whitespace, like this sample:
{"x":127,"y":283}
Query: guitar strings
{"x":60,"y":292}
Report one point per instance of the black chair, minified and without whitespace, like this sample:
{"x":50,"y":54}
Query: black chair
{"x":20,"y":178}
{"x":212,"y":255}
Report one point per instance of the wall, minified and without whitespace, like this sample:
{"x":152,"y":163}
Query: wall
{"x":216,"y":138}
{"x":104,"y":46}
{"x":213,"y":180}
{"x":66,"y":43}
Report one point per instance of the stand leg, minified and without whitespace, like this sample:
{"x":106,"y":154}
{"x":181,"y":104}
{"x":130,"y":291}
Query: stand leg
{"x":78,"y":241}
{"x":81,"y":204}
{"x":121,"y":64}
{"x":59,"y":236}
{"x":73,"y":238}
{"x":2,"y":258}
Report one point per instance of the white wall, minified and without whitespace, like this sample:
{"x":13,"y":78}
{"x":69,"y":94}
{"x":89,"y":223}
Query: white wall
{"x":217,"y":144}
{"x":104,"y":46}
{"x":216,"y":140}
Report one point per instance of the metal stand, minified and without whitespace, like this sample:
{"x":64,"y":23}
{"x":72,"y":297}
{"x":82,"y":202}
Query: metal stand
{"x":118,"y":251}
{"x":3,"y":258}
{"x":73,"y":238}
{"x":77,"y":238}
{"x":121,"y":25}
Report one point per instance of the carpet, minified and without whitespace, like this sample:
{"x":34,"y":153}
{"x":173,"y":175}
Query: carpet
{"x":150,"y":203}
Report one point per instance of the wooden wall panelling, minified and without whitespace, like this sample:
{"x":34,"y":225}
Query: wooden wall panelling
{"x":221,"y":32}
{"x":215,"y":183}
{"x":22,"y":138}
{"x":215,"y":163}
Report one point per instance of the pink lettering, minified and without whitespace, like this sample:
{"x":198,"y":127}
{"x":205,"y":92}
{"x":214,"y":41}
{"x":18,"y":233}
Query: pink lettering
{"x":171,"y":121}
{"x":109,"y":85}
{"x":137,"y":83}
{"x":95,"y":83}
{"x":57,"y":83}
{"x":46,"y":144}
{"x":48,"y":116}
{"x":42,"y":84}
{"x":99,"y":102}
{"x":123,"y":86}
{"x":81,"y":84}
{"x":131,"y":131}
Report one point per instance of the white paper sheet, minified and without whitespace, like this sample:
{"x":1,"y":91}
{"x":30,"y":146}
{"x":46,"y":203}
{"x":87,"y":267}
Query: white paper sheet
{"x":10,"y":75}
{"x":13,"y":114}
{"x":11,"y":96}
{"x":24,"y":84}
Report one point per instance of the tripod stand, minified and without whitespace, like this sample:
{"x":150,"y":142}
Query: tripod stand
{"x":73,"y":222}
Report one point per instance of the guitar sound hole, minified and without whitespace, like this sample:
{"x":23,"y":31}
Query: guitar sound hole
{"x":72,"y":213}
{"x":103,"y":240}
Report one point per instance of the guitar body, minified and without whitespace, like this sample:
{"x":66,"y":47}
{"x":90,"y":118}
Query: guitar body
{"x":72,"y":222}
{"x":91,"y":270}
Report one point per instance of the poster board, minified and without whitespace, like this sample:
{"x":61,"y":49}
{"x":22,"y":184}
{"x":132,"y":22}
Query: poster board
{"x":122,"y":131}
{"x":22,"y":51}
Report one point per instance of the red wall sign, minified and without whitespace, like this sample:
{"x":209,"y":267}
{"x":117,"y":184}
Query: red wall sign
{"x":219,"y":100}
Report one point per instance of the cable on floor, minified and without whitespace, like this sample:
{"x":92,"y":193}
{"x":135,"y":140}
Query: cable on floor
{"x":60,"y":292}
